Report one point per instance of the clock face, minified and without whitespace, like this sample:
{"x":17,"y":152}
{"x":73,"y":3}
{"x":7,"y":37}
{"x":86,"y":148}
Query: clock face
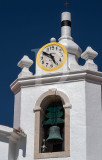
{"x":51,"y":56}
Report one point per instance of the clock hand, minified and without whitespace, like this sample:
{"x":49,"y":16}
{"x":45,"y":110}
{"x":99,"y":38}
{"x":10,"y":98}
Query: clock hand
{"x":46,"y":54}
{"x":52,"y":57}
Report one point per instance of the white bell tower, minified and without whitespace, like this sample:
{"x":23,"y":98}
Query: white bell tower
{"x":77,"y":89}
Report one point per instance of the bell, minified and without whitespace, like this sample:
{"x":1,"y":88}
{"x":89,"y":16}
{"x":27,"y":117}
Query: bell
{"x":54,"y":135}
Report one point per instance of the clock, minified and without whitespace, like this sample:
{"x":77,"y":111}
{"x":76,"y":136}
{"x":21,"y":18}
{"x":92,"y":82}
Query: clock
{"x":51,"y":56}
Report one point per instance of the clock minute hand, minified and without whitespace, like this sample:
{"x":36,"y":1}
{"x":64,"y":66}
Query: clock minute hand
{"x":52,"y":57}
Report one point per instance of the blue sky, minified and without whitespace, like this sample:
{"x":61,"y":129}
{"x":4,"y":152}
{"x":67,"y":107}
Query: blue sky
{"x":26,"y":25}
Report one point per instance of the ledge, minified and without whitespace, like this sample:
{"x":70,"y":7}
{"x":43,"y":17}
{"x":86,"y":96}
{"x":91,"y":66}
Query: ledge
{"x":52,"y":155}
{"x":92,"y":76}
{"x":5,"y":129}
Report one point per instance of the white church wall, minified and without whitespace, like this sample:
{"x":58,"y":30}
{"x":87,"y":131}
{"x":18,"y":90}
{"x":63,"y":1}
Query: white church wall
{"x":5,"y":132}
{"x":17,"y":103}
{"x":76,"y":93}
{"x":93,"y":121}
{"x":4,"y":145}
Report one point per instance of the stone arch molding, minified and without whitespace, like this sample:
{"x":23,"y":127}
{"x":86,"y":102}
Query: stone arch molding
{"x":50,"y":92}
{"x":37,"y":143}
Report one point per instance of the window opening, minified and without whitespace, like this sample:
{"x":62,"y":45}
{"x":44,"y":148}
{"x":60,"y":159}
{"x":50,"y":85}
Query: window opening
{"x":52,"y":121}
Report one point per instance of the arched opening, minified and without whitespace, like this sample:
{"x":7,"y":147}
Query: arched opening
{"x":45,"y":105}
{"x":52,"y":124}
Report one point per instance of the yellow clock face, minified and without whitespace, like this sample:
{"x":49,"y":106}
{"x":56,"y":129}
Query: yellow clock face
{"x":52,"y":56}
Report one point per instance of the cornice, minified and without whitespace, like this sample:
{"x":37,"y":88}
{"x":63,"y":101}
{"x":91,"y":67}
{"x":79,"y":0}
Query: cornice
{"x":92,"y":76}
{"x":11,"y":133}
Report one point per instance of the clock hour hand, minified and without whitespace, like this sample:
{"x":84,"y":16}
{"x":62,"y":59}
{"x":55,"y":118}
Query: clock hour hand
{"x":46,"y":54}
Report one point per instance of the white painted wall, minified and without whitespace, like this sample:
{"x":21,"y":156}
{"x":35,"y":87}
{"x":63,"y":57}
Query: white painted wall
{"x":4,"y":141}
{"x":85,"y":121}
{"x":93,"y":121}
{"x":3,"y":148}
{"x":76,"y":94}
{"x":17,"y":110}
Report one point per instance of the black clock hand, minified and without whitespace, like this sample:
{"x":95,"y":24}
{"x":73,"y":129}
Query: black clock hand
{"x":52,"y":57}
{"x":46,"y":54}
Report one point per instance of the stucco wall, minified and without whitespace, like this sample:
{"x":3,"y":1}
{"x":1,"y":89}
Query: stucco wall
{"x":4,"y":146}
{"x":5,"y":132}
{"x":17,"y":110}
{"x":93,"y":121}
{"x":76,"y":94}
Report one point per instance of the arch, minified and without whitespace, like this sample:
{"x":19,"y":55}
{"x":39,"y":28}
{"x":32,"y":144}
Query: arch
{"x":38,"y":110}
{"x":50,"y":92}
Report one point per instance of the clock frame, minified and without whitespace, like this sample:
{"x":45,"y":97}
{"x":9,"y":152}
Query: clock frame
{"x":58,"y":66}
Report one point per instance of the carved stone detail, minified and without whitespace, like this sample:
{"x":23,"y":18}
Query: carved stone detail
{"x":89,"y":56}
{"x":25,"y":63}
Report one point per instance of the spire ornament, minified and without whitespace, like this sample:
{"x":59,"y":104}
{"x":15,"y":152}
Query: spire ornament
{"x":66,"y":4}
{"x":25,"y":63}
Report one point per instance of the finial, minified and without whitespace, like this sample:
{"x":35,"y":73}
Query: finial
{"x":89,"y":55}
{"x":53,"y":39}
{"x":66,"y":4}
{"x":25,"y":64}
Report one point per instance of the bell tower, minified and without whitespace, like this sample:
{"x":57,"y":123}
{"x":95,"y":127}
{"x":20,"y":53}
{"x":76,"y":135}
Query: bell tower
{"x":59,"y":109}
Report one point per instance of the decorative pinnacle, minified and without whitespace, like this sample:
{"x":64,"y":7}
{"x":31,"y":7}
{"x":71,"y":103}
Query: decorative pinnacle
{"x":25,"y":63}
{"x":89,"y":54}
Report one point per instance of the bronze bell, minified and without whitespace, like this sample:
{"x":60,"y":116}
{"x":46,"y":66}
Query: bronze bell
{"x":54,"y":135}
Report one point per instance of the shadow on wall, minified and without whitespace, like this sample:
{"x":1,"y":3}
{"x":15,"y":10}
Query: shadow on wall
{"x":4,"y":139}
